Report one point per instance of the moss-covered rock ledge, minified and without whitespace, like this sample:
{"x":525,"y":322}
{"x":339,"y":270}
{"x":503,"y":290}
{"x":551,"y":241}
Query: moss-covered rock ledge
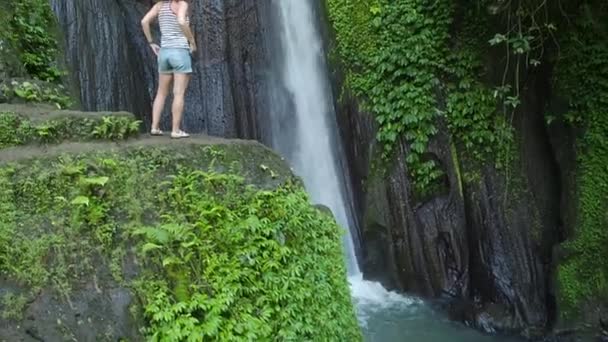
{"x":22,"y":124}
{"x":155,"y":239}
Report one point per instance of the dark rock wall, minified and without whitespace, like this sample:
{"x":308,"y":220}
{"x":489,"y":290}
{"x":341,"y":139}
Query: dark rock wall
{"x":106,"y":62}
{"x":480,"y":241}
{"x":113,"y":68}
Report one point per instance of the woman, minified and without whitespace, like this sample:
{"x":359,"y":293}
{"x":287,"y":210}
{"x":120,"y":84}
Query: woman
{"x":174,"y":60}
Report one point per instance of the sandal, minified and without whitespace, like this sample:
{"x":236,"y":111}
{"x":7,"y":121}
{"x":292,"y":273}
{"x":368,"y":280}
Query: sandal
{"x":156,"y":132}
{"x":179,"y":134}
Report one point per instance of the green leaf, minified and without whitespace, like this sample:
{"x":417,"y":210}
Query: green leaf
{"x":96,"y":180}
{"x":150,"y":247}
{"x":171,"y":261}
{"x":81,"y":200}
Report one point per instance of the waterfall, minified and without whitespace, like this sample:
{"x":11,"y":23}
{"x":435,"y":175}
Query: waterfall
{"x":307,"y":133}
{"x":304,"y":130}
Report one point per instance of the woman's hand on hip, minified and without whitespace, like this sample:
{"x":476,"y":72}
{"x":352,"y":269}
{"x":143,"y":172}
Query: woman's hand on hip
{"x":155,"y":48}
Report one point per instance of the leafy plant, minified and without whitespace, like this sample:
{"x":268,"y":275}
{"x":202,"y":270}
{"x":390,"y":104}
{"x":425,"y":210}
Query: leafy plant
{"x":481,"y":131}
{"x":235,"y":266}
{"x":217,"y":258}
{"x":32,"y":26}
{"x":116,"y":128}
{"x":40,"y":92}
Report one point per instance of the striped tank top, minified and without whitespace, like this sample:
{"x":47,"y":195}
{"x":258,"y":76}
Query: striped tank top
{"x":172,"y":35}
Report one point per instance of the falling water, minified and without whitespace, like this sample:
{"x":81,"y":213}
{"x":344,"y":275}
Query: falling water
{"x":304,"y":131}
{"x":308,"y":140}
{"x":306,"y":135}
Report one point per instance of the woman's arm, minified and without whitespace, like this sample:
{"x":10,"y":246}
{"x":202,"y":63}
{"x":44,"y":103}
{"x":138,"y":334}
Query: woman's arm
{"x":145,"y":24}
{"x":181,"y":19}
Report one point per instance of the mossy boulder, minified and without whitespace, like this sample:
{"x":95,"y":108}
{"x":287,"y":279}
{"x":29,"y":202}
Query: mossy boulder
{"x":41,"y":124}
{"x":167,"y":240}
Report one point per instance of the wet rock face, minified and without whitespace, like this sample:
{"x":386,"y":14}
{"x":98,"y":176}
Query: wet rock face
{"x":107,"y":66}
{"x":98,"y":310}
{"x":488,"y":254}
{"x":470,"y":245}
{"x":113,"y":67}
{"x":416,"y":247}
{"x":506,"y":269}
{"x":429,"y":238}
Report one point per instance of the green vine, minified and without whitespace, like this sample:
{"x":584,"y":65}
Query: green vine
{"x":479,"y":126}
{"x":582,"y":71}
{"x":393,"y":62}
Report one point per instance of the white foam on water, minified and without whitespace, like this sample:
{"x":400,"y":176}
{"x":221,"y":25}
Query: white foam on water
{"x":371,"y":293}
{"x":371,"y":297}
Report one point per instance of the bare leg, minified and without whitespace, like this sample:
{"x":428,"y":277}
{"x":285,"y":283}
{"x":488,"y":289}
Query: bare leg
{"x":179,"y":91}
{"x":164,"y":83}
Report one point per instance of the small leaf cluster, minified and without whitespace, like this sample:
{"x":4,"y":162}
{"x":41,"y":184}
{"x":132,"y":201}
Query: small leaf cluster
{"x":115,"y":128}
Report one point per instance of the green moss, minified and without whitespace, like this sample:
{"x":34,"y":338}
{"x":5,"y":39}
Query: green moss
{"x":55,"y":127}
{"x":217,"y":257}
{"x":13,"y":306}
{"x":583,"y":275}
{"x":356,"y":38}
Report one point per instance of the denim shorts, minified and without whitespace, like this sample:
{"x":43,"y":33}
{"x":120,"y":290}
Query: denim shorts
{"x":174,"y":61}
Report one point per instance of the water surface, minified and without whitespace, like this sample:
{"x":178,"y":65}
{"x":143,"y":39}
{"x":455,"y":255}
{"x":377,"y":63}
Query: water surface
{"x":386,"y":316}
